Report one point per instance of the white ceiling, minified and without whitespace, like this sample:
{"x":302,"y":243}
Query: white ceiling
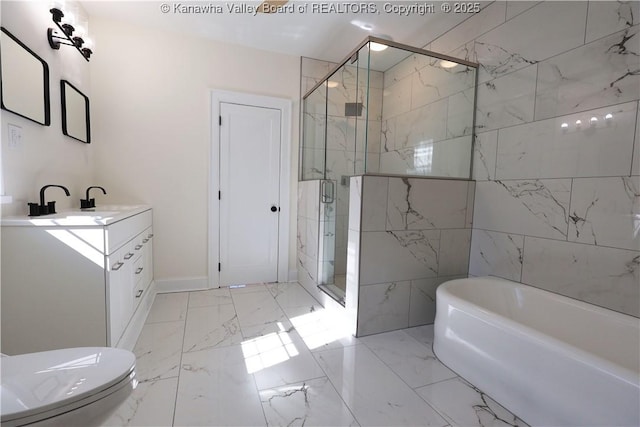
{"x":328,"y":36}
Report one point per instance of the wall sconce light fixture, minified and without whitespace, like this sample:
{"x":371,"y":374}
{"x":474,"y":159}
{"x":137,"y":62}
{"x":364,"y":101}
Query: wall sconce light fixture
{"x":68,"y":34}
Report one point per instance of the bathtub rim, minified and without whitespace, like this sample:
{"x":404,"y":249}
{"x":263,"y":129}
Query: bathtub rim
{"x":550,"y":342}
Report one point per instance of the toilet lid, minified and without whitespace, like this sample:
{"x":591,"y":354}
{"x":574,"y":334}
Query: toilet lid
{"x":38,"y":382}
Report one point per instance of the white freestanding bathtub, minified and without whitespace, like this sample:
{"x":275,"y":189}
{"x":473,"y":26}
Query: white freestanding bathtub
{"x":549,"y":359}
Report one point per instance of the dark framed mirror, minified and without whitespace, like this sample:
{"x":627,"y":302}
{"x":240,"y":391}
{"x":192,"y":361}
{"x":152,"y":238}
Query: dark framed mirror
{"x":24,"y":80}
{"x":75,"y":113}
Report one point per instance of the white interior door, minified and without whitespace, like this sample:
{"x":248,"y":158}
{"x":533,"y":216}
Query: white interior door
{"x":250,"y":139}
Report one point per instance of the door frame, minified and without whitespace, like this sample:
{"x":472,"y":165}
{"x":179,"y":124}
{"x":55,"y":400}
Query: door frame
{"x":285,"y":107}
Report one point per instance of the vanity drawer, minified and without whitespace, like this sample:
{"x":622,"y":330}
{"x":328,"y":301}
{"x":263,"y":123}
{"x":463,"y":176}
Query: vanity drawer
{"x":121,"y":232}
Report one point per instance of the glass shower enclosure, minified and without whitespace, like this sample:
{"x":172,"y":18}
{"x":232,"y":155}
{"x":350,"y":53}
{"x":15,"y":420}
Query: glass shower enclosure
{"x":387,"y":109}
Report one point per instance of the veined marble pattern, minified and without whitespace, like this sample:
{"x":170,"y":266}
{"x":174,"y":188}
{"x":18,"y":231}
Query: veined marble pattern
{"x":199,"y":335}
{"x":312,"y":373}
{"x":151,"y":404}
{"x":592,"y":143}
{"x":382,"y":399}
{"x":412,"y":361}
{"x":313,"y":402}
{"x":454,"y":252}
{"x":396,"y":99}
{"x":422,"y":306}
{"x":471,"y":28}
{"x":606,"y":212}
{"x":496,"y":254}
{"x":604,"y":72}
{"x":158,"y":350}
{"x":383,"y":307}
{"x":607,"y":17}
{"x":410,"y":204}
{"x":411,"y":64}
{"x":398,"y":255}
{"x":478,"y":409}
{"x":535,"y":208}
{"x":484,"y":156}
{"x":506,"y":101}
{"x":417,"y":127}
{"x":460,"y":113}
{"x":603,"y":276}
{"x":519,"y":43}
{"x":434,"y":82}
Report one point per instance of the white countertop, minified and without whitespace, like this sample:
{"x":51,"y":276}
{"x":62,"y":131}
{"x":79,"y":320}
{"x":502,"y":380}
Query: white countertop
{"x":100,"y":215}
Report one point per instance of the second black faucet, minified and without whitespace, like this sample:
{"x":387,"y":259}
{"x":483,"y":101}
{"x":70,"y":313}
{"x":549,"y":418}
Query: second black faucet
{"x":90,"y":203}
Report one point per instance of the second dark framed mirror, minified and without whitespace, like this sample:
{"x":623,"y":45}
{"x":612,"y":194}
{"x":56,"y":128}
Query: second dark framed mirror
{"x":75,"y":113}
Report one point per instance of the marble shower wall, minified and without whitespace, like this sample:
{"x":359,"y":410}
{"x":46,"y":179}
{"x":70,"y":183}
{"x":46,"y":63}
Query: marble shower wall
{"x":427,"y":118}
{"x":406,"y":236}
{"x":556,"y":155}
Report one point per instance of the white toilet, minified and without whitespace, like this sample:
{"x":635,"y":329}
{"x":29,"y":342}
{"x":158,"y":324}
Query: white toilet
{"x":68,"y":387}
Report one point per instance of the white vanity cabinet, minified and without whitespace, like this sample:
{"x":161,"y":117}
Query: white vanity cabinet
{"x":76,"y":279}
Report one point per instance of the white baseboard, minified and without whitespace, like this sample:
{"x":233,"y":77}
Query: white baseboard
{"x":183,"y":284}
{"x":293,"y":275}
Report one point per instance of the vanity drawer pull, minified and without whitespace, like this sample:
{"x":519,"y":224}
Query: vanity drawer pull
{"x":128,"y":255}
{"x":117,"y":266}
{"x":138,"y":247}
{"x":145,"y":240}
{"x":139,"y":270}
{"x":150,"y":236}
{"x":139,"y":293}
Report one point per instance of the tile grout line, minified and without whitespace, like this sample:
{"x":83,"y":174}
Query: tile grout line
{"x":184,"y":333}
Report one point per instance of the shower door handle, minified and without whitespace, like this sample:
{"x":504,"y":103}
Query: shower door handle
{"x":326,"y":190}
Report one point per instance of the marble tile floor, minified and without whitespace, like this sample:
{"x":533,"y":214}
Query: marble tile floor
{"x":269,"y":354}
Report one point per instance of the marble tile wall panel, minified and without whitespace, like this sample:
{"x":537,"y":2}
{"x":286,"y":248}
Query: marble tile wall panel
{"x":420,"y":204}
{"x":603,"y":72}
{"x":599,"y":275}
{"x":434,"y":82}
{"x":417,"y":127}
{"x":447,"y":158}
{"x":404,"y":68}
{"x":460,"y":113}
{"x":315,"y":68}
{"x":496,"y":254}
{"x":396,"y":99}
{"x":484,"y":155}
{"x":383,"y":307}
{"x":606,"y":17}
{"x":507,"y":100}
{"x":517,"y":7}
{"x":519,"y":42}
{"x":534,"y":208}
{"x":398,"y":255}
{"x":451,"y":158}
{"x":606,"y":212}
{"x":355,"y":220}
{"x":422,"y":307}
{"x":471,"y":196}
{"x":480,"y":23}
{"x":453,"y":259}
{"x":600,"y":147}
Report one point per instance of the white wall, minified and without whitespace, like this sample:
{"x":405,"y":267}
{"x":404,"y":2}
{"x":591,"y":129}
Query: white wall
{"x":151,"y":108}
{"x":45,"y":156}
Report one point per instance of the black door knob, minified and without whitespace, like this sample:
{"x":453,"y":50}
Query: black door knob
{"x":273,"y":209}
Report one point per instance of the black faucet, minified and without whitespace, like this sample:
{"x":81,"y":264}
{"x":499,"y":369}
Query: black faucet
{"x":90,"y":203}
{"x":45,"y":208}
